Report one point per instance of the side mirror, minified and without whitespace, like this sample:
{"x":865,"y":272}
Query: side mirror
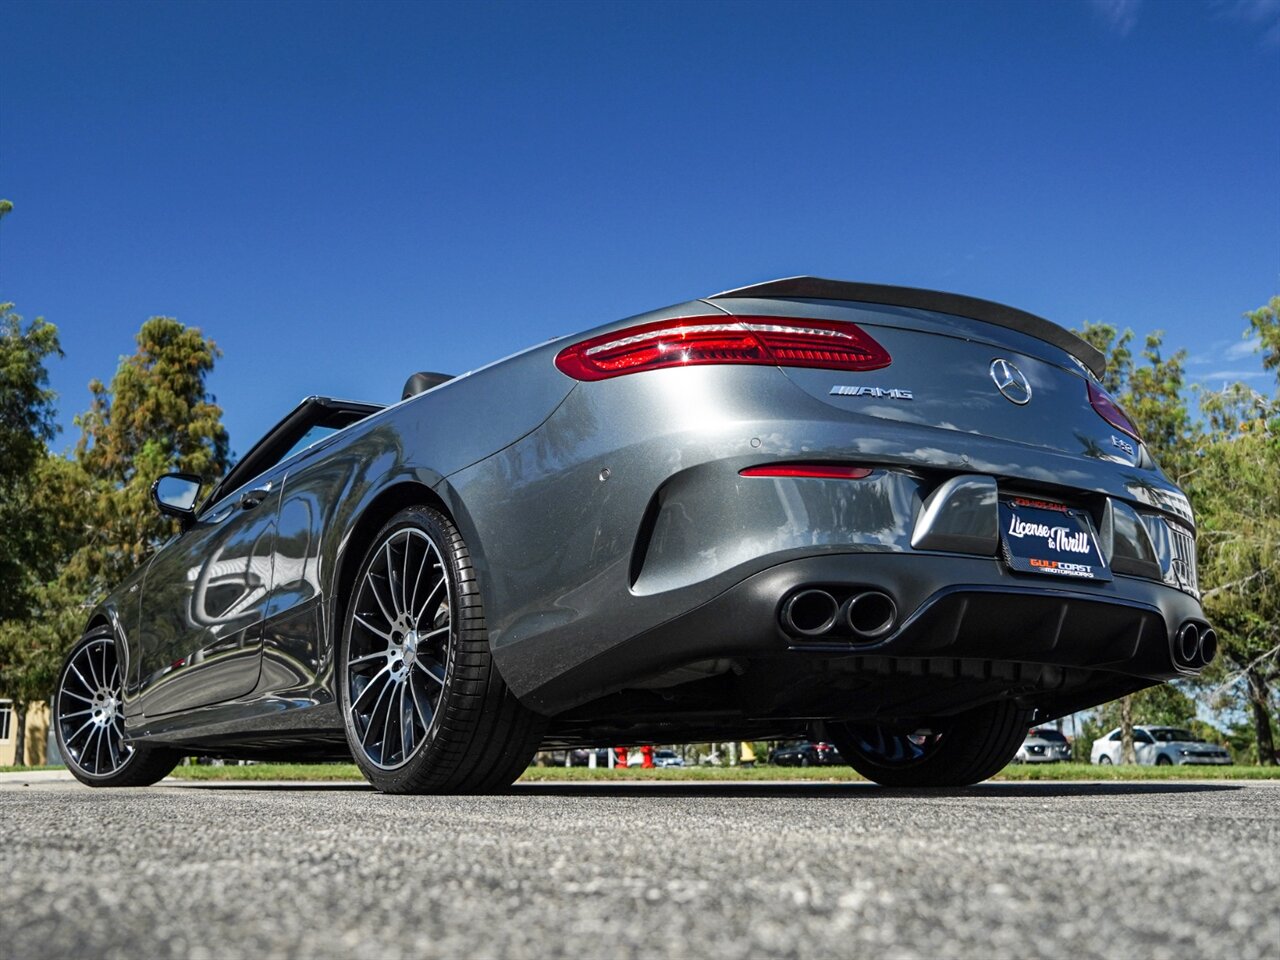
{"x":175,"y":494}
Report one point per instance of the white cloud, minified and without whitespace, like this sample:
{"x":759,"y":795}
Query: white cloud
{"x":1234,"y":375}
{"x":1245,"y":348}
{"x":1119,"y":15}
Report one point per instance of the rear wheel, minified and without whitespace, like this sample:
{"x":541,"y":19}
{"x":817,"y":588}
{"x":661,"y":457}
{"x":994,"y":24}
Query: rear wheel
{"x":1104,"y":760}
{"x":89,"y":720}
{"x":424,"y":708}
{"x":952,"y":752}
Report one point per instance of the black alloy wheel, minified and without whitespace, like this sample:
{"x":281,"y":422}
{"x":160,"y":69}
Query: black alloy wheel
{"x":88,"y":720}
{"x":953,"y":751}
{"x":423,"y":705}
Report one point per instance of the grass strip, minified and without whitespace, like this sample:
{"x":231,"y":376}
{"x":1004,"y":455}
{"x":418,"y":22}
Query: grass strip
{"x":1013,"y":772}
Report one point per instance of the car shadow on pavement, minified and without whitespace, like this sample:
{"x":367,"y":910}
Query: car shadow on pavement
{"x":865,"y":791}
{"x":294,"y":786}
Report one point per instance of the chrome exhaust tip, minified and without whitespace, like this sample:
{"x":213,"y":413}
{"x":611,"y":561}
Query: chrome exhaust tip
{"x":809,"y":613}
{"x":870,"y":615}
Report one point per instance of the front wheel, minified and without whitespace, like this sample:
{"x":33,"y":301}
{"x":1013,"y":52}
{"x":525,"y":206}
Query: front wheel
{"x":951,"y":752}
{"x":1163,"y":761}
{"x":424,"y":708}
{"x":88,"y":720}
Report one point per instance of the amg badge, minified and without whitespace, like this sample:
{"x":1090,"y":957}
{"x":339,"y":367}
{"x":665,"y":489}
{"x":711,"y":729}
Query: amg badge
{"x":892,"y":393}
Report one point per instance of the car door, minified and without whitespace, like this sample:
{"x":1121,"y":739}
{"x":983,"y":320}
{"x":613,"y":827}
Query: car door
{"x":1114,"y":747}
{"x":1144,"y":747}
{"x":204,"y":598}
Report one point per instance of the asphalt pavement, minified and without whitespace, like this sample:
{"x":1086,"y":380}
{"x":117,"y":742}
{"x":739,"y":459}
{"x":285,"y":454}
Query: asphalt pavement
{"x":1070,"y":870}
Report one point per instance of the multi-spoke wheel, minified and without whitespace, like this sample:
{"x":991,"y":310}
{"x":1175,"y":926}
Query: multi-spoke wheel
{"x":424,"y":708}
{"x":89,"y":722}
{"x":950,"y":752}
{"x":398,"y":647}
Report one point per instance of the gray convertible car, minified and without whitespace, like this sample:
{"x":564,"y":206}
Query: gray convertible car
{"x":908,"y":523}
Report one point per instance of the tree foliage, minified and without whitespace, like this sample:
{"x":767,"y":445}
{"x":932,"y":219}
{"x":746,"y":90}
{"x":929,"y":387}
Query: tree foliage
{"x":36,"y":532}
{"x":1237,"y":500}
{"x":1151,"y":392}
{"x":75,"y":527}
{"x":1228,"y":463}
{"x":156,"y":417}
{"x":26,"y":425}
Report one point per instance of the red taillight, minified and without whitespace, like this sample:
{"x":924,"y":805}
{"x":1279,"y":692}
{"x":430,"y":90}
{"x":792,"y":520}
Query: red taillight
{"x":1110,"y":411}
{"x":692,"y":341}
{"x":822,"y":471}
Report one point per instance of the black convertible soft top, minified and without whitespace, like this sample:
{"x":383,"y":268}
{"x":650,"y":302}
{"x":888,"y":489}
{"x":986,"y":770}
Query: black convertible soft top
{"x":817,"y":288}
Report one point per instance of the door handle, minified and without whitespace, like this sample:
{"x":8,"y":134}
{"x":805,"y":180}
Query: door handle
{"x":251,"y":498}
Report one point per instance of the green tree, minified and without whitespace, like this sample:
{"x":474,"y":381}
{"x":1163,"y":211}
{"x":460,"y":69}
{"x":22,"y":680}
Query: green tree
{"x":26,"y":425}
{"x":90,"y":521}
{"x":31,"y":652}
{"x":37,"y":533}
{"x":156,"y":417}
{"x":1162,"y":705}
{"x":1265,"y":324}
{"x":1151,"y":391}
{"x":1237,"y":500}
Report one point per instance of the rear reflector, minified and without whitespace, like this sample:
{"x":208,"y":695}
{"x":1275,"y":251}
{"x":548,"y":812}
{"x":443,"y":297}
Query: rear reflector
{"x":822,"y":471}
{"x":1110,"y":411}
{"x":693,"y":341}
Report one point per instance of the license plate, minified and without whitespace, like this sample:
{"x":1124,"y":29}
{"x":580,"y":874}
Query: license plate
{"x":1051,"y":539}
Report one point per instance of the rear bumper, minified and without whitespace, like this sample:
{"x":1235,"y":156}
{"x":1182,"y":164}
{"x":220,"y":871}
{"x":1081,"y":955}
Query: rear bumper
{"x":956,"y":613}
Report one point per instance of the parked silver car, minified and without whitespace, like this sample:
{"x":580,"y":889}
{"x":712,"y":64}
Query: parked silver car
{"x":667,"y":758}
{"x":1160,"y":746}
{"x":1043,"y":745}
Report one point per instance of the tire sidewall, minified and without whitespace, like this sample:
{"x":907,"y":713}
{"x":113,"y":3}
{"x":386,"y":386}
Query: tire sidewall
{"x":938,"y":768}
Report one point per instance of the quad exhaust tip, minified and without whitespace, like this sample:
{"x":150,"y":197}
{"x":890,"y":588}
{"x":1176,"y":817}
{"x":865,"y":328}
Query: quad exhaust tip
{"x":870,"y":615}
{"x":810,"y":613}
{"x":1208,"y":645}
{"x":1188,"y":644}
{"x":866,"y":615}
{"x":1195,"y":646}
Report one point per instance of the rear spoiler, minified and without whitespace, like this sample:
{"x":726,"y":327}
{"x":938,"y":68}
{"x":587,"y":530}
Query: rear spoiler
{"x":816,"y":288}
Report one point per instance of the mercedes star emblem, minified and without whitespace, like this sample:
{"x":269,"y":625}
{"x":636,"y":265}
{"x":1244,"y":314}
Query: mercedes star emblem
{"x":1010,"y":381}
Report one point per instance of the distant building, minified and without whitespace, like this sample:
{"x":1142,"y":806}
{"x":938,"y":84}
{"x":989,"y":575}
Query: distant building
{"x":36,"y":734}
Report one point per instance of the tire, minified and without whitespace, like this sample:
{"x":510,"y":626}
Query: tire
{"x":1163,"y":761}
{"x":88,"y":720}
{"x":1104,"y":761}
{"x":957,"y":752}
{"x":449,"y":724}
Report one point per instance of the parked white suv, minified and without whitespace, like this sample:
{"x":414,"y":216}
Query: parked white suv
{"x":1159,"y":746}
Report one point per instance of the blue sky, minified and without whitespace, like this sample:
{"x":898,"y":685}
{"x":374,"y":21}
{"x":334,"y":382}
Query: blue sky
{"x":342,"y":194}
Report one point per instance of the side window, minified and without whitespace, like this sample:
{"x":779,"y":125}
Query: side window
{"x":1141,"y":736}
{"x":310,"y":422}
{"x":1115,"y":737}
{"x":313,"y":435}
